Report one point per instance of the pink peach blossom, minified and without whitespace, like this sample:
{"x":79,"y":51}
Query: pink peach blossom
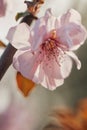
{"x":45,"y":51}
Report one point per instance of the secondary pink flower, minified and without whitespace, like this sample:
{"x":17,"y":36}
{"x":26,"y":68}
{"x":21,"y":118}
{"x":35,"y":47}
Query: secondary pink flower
{"x":2,"y":7}
{"x":45,"y":51}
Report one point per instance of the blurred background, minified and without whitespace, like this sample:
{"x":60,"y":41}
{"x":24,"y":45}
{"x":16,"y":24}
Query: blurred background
{"x":40,"y":101}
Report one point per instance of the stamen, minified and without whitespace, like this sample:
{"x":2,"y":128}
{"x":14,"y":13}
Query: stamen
{"x":52,"y":48}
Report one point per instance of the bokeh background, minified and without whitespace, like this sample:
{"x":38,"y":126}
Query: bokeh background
{"x":40,"y":101}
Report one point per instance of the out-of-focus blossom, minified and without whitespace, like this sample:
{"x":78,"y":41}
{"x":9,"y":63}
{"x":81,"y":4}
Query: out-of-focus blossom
{"x":2,"y":7}
{"x":45,"y":51}
{"x":16,"y":117}
{"x":66,"y":119}
{"x":9,"y":6}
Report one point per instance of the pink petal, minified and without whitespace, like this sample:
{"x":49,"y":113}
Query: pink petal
{"x":50,"y":21}
{"x":19,"y":36}
{"x":54,"y":83}
{"x":65,"y":65}
{"x":26,"y":62}
{"x":48,"y":13}
{"x":72,"y":35}
{"x":45,"y":80}
{"x":42,"y":28}
{"x":37,"y":34}
{"x":75,"y":58}
{"x":70,"y":16}
{"x":40,"y":77}
{"x":39,"y":31}
{"x":51,"y":68}
{"x":51,"y":83}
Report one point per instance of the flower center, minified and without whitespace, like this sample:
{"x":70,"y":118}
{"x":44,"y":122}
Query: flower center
{"x":51,"y":46}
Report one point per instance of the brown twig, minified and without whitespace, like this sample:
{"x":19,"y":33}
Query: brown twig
{"x":7,"y":56}
{"x":6,"y":59}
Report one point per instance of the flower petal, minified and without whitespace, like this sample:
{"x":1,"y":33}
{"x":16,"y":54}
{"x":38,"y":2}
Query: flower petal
{"x":42,"y":28}
{"x":51,"y":68}
{"x":37,"y":34}
{"x":65,"y":65}
{"x":72,"y":35}
{"x":75,"y":58}
{"x":70,"y":16}
{"x":45,"y":80}
{"x":52,"y":84}
{"x":48,"y":13}
{"x":26,"y":63}
{"x":19,"y":36}
{"x":50,"y":21}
